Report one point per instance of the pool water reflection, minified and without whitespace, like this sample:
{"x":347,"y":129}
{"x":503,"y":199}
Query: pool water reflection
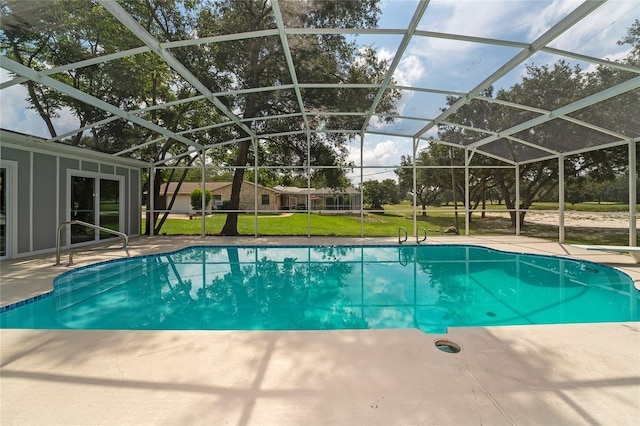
{"x":427,"y":287}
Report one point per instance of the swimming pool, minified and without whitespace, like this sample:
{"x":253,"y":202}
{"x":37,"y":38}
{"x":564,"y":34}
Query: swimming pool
{"x":429,"y":287}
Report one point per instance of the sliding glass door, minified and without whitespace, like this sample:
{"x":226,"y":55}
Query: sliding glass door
{"x":82,"y":208}
{"x":97,"y":201}
{"x":109,"y":206}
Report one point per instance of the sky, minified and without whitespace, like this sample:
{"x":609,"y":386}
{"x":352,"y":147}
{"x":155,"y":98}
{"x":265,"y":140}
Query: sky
{"x":461,"y":66}
{"x":430,"y":62}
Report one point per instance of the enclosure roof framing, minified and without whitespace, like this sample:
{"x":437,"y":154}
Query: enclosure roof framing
{"x":551,"y":34}
{"x":408,"y":40}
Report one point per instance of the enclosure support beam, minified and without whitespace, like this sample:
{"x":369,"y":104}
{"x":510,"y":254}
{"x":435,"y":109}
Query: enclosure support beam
{"x":467,"y":204}
{"x":203,"y":193}
{"x":415,"y":186}
{"x":361,"y":185}
{"x":633,"y":198}
{"x":151,"y":203}
{"x":308,"y":185}
{"x":255,"y":186}
{"x":551,"y":34}
{"x":561,"y":199}
{"x":517,"y":199}
{"x":31,"y":74}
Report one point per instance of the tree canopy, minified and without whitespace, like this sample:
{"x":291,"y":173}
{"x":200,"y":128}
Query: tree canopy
{"x":68,"y":31}
{"x":226,"y":74}
{"x":547,"y":87}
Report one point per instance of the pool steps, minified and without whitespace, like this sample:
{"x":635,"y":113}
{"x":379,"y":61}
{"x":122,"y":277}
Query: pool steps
{"x":75,"y":288}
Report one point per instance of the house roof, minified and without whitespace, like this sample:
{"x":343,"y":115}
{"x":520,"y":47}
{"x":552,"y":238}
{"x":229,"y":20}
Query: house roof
{"x":34,"y":143}
{"x":294,"y":190}
{"x":187,"y":187}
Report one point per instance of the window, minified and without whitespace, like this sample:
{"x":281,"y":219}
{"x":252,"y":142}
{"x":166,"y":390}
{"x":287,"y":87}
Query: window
{"x":265,"y":199}
{"x":217,"y":201}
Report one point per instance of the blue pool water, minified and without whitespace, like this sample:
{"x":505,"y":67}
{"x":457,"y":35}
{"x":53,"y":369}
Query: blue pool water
{"x":337,"y":287}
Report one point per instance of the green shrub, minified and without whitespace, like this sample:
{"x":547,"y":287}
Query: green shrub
{"x":196,"y":198}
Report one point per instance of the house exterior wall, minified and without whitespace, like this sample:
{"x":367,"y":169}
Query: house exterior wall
{"x":247,"y":194}
{"x":41,"y":196}
{"x":182,"y":203}
{"x":44,"y":197}
{"x":293,"y":201}
{"x":321,"y":201}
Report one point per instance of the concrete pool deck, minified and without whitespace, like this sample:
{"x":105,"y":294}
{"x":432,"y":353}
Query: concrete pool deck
{"x":550,"y":374}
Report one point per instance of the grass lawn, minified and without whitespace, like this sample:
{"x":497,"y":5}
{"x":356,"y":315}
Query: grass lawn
{"x":293,"y":224}
{"x":387,"y":224}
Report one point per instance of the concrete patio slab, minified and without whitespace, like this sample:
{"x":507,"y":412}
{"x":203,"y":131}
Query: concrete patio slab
{"x":569,"y":374}
{"x":551,"y":374}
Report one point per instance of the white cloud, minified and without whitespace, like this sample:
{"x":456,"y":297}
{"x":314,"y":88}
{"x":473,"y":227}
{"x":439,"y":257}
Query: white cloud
{"x":521,"y":21}
{"x":17,"y":116}
{"x":385,"y":54}
{"x":15,"y":113}
{"x":409,"y":71}
{"x":383,"y":153}
{"x":475,"y":18}
{"x":598,"y":33}
{"x":380,"y":157}
{"x":615,"y":57}
{"x":548,"y":17}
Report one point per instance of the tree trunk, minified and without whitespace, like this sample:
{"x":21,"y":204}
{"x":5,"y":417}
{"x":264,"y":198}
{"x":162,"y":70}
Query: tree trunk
{"x":31,"y":89}
{"x":484,"y":203}
{"x":157,"y":182}
{"x":231,"y":224}
{"x":508,"y":203}
{"x":40,"y":109}
{"x":522,"y":214}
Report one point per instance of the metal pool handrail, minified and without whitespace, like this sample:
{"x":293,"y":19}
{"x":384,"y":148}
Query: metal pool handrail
{"x":88,"y":225}
{"x":418,"y":240}
{"x":406,"y":234}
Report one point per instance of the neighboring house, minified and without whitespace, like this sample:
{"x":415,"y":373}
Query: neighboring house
{"x":268,"y":198}
{"x":43,"y":184}
{"x":294,"y":198}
